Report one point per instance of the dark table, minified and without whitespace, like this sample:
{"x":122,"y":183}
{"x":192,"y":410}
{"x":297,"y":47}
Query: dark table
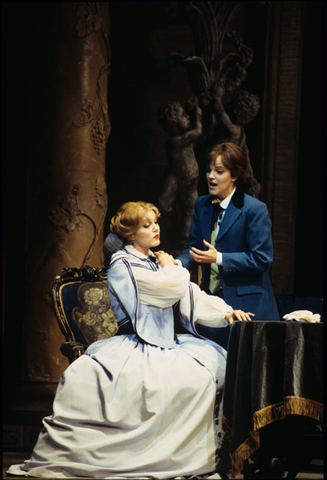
{"x":274,"y":372}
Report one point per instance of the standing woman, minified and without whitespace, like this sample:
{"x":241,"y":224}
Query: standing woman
{"x":235,"y":230}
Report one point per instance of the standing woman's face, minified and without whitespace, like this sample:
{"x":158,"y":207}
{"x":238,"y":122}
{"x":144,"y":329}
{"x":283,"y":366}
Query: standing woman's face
{"x":220,"y":181}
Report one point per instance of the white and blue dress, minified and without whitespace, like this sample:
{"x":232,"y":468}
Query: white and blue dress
{"x":143,"y":404}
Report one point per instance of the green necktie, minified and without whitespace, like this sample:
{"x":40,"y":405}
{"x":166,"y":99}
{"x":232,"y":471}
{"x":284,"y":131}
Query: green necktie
{"x":214,"y":281}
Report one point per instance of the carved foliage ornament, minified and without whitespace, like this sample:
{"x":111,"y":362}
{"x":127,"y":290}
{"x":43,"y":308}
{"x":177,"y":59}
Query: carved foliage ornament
{"x":86,"y":273}
{"x":68,"y":216}
{"x":88,"y":19}
{"x":94,"y":111}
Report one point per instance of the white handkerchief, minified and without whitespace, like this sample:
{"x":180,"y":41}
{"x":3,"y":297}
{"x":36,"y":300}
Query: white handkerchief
{"x":302,"y":316}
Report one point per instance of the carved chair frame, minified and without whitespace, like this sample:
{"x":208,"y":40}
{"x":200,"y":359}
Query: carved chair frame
{"x":72,"y":348}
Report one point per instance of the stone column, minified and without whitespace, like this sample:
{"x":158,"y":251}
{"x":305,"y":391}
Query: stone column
{"x":67,"y":190}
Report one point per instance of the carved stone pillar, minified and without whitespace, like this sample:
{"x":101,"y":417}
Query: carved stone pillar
{"x":67,"y":190}
{"x":281,"y":135}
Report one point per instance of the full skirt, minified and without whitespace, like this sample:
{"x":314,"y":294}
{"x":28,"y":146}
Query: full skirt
{"x":127,"y":409}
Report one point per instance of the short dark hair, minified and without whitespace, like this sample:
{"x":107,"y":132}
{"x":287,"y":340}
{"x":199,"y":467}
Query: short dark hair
{"x":233,"y":158}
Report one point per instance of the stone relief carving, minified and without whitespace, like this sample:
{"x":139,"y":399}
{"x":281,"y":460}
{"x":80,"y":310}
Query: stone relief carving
{"x":94,"y":111}
{"x":179,"y":190}
{"x":68,"y":217}
{"x":101,"y":198}
{"x":88,"y":19}
{"x":215,"y":79}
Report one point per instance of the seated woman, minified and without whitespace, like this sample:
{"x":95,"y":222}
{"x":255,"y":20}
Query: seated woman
{"x":144,"y":403}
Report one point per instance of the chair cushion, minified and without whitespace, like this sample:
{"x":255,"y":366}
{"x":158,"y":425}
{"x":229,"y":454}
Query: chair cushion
{"x":94,"y":317}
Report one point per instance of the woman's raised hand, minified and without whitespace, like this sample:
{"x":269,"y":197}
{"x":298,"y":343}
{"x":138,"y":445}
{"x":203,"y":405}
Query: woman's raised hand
{"x":207,"y":256}
{"x":164,"y":258}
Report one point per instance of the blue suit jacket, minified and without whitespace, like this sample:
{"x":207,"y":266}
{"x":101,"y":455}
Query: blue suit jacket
{"x":245,"y":241}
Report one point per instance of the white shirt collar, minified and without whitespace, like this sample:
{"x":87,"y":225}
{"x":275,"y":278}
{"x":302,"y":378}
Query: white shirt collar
{"x":135,"y":252}
{"x":224,"y":203}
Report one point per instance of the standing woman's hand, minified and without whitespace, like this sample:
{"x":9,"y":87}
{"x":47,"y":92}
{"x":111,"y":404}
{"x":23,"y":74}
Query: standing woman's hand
{"x":208,"y":256}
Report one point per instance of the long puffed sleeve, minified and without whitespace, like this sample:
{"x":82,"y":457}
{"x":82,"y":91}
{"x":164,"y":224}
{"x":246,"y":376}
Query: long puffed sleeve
{"x":209,"y":310}
{"x":161,"y":288}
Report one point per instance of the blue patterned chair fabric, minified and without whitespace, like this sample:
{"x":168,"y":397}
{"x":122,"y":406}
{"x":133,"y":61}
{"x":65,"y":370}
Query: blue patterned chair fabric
{"x":83,"y":309}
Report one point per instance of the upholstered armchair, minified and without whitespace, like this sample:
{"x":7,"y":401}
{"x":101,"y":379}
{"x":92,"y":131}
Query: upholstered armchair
{"x":83,"y":309}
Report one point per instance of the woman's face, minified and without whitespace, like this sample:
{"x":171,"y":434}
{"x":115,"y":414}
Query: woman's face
{"x":148,"y":235}
{"x":220,"y":181}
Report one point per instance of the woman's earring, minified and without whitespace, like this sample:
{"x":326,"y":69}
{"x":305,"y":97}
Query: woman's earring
{"x":132,"y":243}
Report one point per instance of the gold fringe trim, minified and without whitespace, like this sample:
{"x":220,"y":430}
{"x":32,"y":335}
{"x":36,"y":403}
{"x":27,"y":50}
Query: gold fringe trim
{"x":291,"y":405}
{"x":244,"y":451}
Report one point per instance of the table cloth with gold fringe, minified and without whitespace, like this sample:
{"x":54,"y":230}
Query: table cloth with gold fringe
{"x":274,"y":369}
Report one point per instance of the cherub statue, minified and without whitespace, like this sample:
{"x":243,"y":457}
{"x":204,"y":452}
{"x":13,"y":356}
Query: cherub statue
{"x":211,"y":67}
{"x":180,"y":185}
{"x":230,"y":120}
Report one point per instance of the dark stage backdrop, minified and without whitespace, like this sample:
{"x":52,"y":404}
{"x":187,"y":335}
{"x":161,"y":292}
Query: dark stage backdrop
{"x":141,"y":80}
{"x":143,"y":34}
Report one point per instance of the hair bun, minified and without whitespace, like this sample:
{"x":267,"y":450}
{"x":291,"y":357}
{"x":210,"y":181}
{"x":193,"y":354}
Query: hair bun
{"x":111,"y":245}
